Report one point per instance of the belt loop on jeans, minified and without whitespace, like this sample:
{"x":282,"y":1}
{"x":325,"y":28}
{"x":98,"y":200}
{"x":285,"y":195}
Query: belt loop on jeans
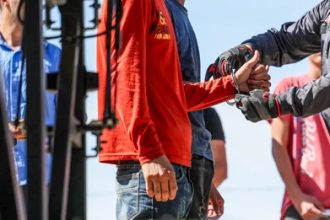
{"x":128,"y":165}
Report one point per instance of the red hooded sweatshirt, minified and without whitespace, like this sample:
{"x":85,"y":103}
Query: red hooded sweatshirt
{"x":150,"y":99}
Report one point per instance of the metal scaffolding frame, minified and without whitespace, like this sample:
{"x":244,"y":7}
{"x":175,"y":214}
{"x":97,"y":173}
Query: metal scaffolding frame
{"x":66,"y":196}
{"x":72,"y":25}
{"x":12,"y":205}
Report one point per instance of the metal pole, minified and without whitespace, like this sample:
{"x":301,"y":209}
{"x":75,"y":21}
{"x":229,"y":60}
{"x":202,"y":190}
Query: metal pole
{"x":65,"y":123}
{"x":11,"y":198}
{"x":77,"y":188}
{"x":33,"y":50}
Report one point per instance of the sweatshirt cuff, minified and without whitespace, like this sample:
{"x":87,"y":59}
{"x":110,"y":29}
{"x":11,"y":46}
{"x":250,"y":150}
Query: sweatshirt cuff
{"x":231,"y":85}
{"x":151,"y":155}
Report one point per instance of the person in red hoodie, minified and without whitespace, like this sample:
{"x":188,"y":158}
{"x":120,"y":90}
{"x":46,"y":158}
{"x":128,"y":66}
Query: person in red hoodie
{"x":151,"y":145}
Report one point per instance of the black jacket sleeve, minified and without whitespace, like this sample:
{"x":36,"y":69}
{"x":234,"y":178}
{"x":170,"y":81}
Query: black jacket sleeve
{"x":293,"y":42}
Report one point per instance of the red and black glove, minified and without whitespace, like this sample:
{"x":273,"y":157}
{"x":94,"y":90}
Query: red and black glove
{"x":260,"y":106}
{"x":229,"y":62}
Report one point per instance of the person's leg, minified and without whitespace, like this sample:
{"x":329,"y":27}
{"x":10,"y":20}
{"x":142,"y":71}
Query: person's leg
{"x":201,"y":174}
{"x":134,"y":203}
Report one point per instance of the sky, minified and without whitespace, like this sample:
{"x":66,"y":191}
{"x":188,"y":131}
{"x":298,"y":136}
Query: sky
{"x":253,"y":190}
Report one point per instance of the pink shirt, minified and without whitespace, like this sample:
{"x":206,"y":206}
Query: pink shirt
{"x":309,"y":150}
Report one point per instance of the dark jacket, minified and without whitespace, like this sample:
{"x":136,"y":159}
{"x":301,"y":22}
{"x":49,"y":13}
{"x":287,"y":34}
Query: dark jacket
{"x":293,"y":42}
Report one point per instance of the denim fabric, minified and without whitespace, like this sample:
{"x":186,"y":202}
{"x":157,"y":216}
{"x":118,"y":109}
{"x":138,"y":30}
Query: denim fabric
{"x":134,"y":203}
{"x":201,"y":175}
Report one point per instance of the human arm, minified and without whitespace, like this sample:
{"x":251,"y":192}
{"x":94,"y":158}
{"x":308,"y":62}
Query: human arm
{"x":294,"y":41}
{"x":307,"y":206}
{"x":214,"y":126}
{"x":216,"y":201}
{"x":129,"y":81}
{"x":202,"y":95}
{"x":220,"y":161}
{"x":299,"y":101}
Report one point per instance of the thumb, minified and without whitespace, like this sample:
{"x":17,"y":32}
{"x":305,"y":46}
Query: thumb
{"x":253,"y":61}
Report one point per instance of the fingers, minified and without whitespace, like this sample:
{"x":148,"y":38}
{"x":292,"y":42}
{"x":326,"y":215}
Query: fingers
{"x":259,"y":78}
{"x":256,"y":84}
{"x":173,"y":187}
{"x":315,"y":213}
{"x":157,"y":189}
{"x":316,"y":210}
{"x":160,"y":179}
{"x":260,"y":69}
{"x":164,"y":186}
{"x":221,"y":205}
{"x":312,"y":211}
{"x":149,"y":187}
{"x":216,"y":202}
{"x":168,"y":186}
{"x":216,"y":207}
{"x":210,"y":211}
{"x":249,"y":107}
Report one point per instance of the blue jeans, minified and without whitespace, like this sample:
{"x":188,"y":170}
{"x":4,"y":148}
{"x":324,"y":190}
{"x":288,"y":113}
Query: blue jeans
{"x":201,"y":175}
{"x":134,"y":203}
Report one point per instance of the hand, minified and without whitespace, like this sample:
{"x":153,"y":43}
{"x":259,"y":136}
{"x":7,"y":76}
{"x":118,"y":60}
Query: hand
{"x":243,"y":74}
{"x":160,"y":179}
{"x":229,"y":61}
{"x":308,"y":207}
{"x":19,"y":131}
{"x":216,"y":204}
{"x":259,"y":106}
{"x":259,"y":78}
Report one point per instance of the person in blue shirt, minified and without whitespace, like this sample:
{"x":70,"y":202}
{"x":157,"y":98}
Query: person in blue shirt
{"x":201,"y":172}
{"x":13,"y":77}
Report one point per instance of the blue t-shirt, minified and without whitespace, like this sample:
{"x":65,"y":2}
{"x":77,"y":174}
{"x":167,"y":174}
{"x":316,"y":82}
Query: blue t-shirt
{"x":190,"y":67}
{"x":10,"y":69}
